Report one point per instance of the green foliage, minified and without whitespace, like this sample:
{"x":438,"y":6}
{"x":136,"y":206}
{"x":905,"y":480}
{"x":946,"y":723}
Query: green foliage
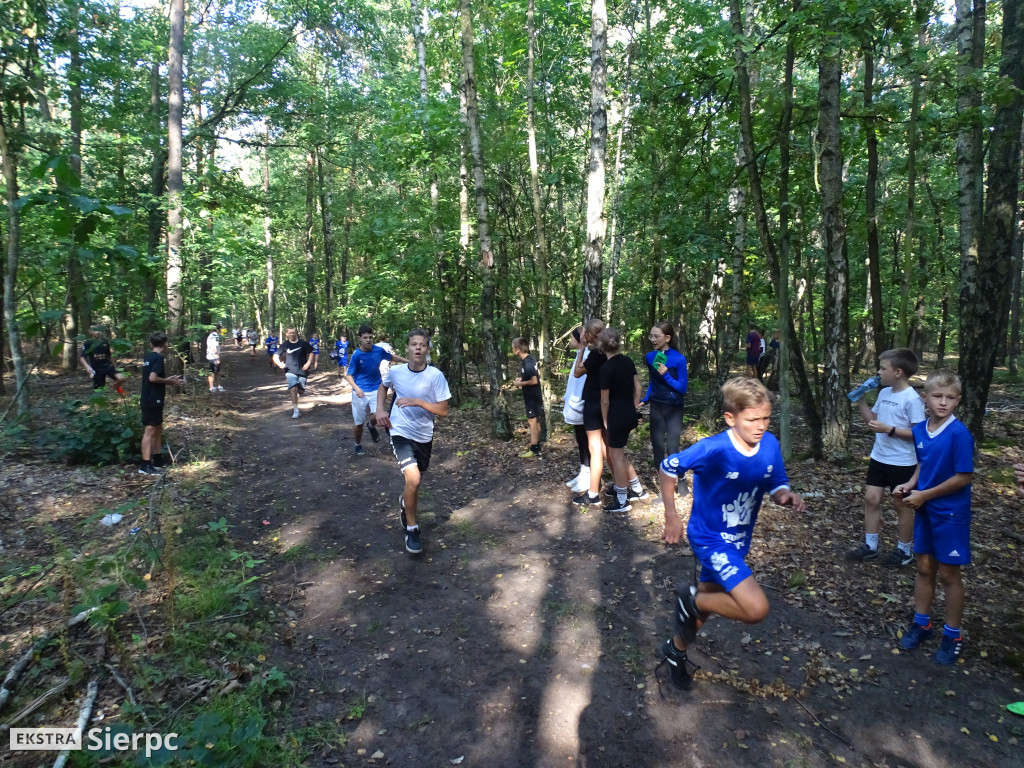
{"x":102,"y":430}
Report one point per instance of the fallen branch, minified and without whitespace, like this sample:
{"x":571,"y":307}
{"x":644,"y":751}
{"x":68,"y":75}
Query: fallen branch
{"x":83,"y":719}
{"x":34,"y":706}
{"x":128,"y":691}
{"x":1014,"y":535}
{"x":19,"y":667}
{"x":822,"y":725}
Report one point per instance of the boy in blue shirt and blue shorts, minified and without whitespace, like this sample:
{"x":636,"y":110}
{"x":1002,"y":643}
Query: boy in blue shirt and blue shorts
{"x":731,"y":473}
{"x":940,"y":495}
{"x":363,"y":375}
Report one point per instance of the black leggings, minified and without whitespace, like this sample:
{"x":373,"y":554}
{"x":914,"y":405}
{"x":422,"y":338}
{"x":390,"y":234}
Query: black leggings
{"x":582,"y":444}
{"x":666,"y":426}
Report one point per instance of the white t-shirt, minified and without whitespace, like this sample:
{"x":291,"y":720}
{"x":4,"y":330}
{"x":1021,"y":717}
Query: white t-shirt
{"x":212,"y":346}
{"x":572,"y":410}
{"x":901,"y":410}
{"x":413,"y":422}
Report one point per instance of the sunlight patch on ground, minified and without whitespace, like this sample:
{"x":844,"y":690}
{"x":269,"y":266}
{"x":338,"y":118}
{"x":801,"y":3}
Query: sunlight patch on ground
{"x":522,"y":590}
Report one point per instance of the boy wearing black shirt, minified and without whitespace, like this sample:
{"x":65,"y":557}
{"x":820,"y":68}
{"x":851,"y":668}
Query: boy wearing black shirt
{"x":529,"y":382}
{"x":298,"y":356}
{"x":96,"y":359}
{"x":151,"y":400}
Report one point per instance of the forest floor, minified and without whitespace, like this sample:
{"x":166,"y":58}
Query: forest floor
{"x":525,"y":635}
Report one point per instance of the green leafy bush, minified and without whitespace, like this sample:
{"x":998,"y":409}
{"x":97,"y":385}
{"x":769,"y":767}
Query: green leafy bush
{"x":101,"y":430}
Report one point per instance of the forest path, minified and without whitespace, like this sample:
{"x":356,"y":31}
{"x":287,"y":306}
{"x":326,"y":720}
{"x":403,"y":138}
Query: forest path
{"x":525,"y":635}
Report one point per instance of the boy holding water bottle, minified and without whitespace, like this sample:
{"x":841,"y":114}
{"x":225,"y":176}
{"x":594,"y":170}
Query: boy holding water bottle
{"x":893,"y":460}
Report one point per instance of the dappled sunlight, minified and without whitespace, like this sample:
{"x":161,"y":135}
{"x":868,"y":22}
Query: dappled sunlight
{"x":524,"y":590}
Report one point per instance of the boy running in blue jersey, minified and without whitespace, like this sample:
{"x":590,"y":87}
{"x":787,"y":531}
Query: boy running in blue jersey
{"x":341,"y":351}
{"x":421,"y":395}
{"x":731,"y":473}
{"x":940,"y":495}
{"x":271,"y":342}
{"x":314,"y":342}
{"x":364,"y":376}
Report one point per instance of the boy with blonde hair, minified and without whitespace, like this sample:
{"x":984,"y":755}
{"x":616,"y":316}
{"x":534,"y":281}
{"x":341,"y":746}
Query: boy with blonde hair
{"x":940,"y":494}
{"x":897,"y":409}
{"x":731,"y":473}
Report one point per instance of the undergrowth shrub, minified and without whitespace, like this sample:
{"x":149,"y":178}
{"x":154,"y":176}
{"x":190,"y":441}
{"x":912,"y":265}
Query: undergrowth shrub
{"x":101,"y":430}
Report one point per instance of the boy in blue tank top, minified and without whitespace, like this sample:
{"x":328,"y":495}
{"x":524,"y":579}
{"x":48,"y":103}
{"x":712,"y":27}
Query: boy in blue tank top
{"x":731,"y":473}
{"x":940,"y":495}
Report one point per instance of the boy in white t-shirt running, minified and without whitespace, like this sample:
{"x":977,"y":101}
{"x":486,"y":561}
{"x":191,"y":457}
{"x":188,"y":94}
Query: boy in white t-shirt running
{"x":893,"y":460}
{"x":421,"y":395}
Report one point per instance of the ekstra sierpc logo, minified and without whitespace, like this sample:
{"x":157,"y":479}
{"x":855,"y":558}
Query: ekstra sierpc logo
{"x":96,"y":739}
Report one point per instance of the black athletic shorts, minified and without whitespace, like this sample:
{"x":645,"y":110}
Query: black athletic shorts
{"x":888,"y":475}
{"x":409,"y":452}
{"x":101,"y":372}
{"x":152,"y":415}
{"x":592,"y":418}
{"x":620,"y":426}
{"x":214,"y":367}
{"x":534,"y":403}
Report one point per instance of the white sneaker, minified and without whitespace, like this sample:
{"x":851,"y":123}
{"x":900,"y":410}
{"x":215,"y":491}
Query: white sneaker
{"x":221,"y":389}
{"x":571,"y":485}
{"x":295,"y":413}
{"x":213,"y":389}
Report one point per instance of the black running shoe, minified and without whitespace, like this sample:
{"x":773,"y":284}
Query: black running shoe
{"x":401,"y":506}
{"x":586,"y":499}
{"x":413,"y":545}
{"x":686,"y":613}
{"x":374,"y":433}
{"x":618,"y":506}
{"x":632,"y":495}
{"x":677,"y":661}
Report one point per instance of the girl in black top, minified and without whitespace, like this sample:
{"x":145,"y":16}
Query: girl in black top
{"x":593,"y":423}
{"x":620,"y":398}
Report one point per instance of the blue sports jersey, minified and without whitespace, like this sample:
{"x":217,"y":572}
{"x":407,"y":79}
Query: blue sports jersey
{"x":315,"y":344}
{"x":941,"y":455}
{"x":341,"y":347}
{"x":365,"y":367}
{"x":727,"y":487}
{"x":271,"y":342}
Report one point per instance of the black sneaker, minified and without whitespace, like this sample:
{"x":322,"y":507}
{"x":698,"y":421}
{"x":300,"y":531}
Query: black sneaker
{"x":412,"y":541}
{"x":896,"y":559}
{"x":686,"y":613}
{"x":677,"y":661}
{"x":149,"y":469}
{"x":609,"y":489}
{"x":586,"y":499}
{"x":863,"y":554}
{"x":374,"y":433}
{"x":618,"y":506}
{"x":401,"y":506}
{"x":632,"y":495}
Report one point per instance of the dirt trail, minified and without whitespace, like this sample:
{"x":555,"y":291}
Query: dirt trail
{"x":525,"y":634}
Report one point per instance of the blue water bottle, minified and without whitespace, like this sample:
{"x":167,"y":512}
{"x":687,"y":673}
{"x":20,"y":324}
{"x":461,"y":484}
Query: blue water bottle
{"x":862,"y":390}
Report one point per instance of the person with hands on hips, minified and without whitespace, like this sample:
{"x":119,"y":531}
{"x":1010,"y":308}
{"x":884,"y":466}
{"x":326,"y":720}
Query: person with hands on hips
{"x":298,"y":356}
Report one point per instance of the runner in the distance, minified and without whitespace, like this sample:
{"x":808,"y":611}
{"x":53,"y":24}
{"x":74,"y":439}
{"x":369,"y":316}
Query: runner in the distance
{"x":341,"y":349}
{"x":298,"y":357}
{"x":421,"y":395}
{"x":213,"y":358}
{"x":314,"y":342}
{"x":254,"y":341}
{"x":364,"y":377}
{"x":271,"y":342}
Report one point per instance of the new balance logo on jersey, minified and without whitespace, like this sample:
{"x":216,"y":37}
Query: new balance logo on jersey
{"x":732,"y":475}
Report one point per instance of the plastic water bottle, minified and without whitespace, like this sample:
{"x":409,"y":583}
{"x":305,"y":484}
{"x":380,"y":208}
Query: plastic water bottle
{"x":862,"y":390}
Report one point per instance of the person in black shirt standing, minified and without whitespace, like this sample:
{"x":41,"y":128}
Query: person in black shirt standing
{"x":592,"y":420}
{"x":298,"y":355}
{"x":620,"y":399}
{"x":151,"y":400}
{"x":96,"y":359}
{"x":529,"y":382}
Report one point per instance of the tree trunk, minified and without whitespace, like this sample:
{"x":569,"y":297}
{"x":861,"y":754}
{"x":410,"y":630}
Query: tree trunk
{"x":764,"y":233}
{"x":155,"y":221}
{"x":541,"y":241}
{"x":983,"y":314}
{"x":970,"y":45}
{"x":782,"y":287}
{"x":267,"y":239}
{"x":1018,"y":264}
{"x":75,"y":283}
{"x":876,"y":323}
{"x":327,"y":229}
{"x":501,"y":428}
{"x":309,"y":245}
{"x":617,"y":180}
{"x":175,"y":106}
{"x":921,"y":9}
{"x":10,"y":171}
{"x":593,"y":248}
